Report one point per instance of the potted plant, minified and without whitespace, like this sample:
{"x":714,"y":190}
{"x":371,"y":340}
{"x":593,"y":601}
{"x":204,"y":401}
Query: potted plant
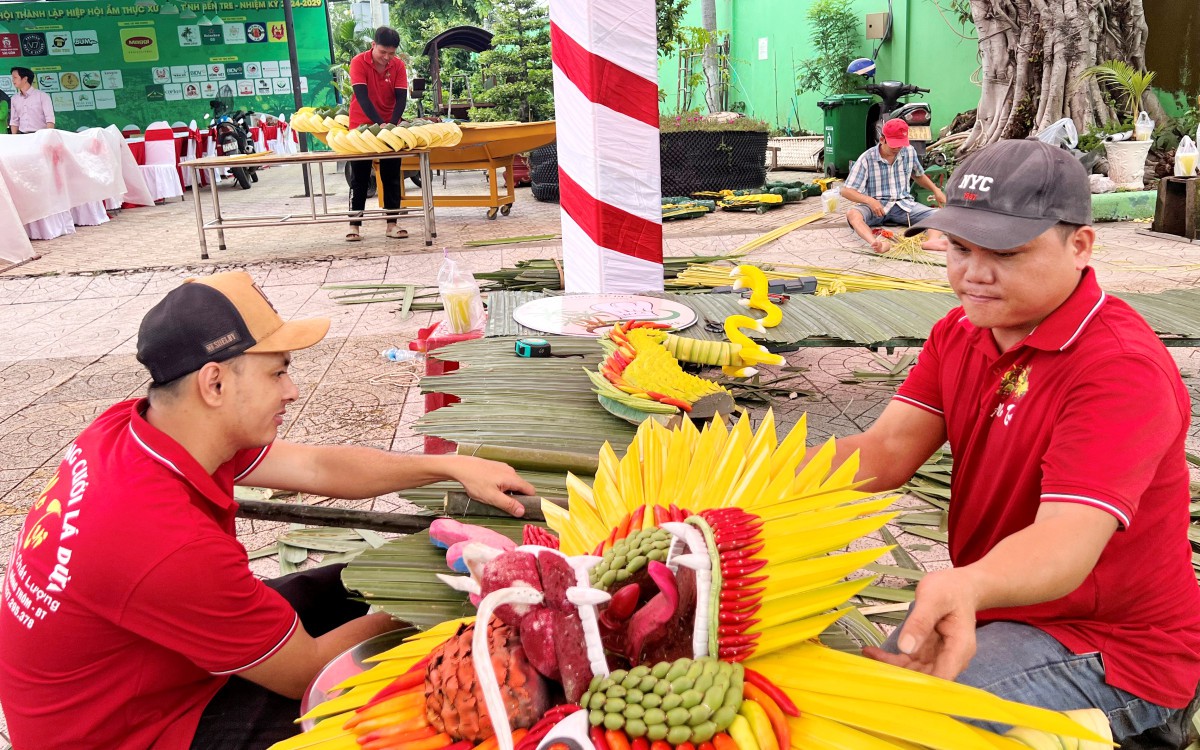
{"x":1126,"y":159}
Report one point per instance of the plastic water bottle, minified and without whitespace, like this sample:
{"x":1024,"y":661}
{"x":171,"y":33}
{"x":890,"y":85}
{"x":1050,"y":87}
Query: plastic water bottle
{"x":400,"y":355}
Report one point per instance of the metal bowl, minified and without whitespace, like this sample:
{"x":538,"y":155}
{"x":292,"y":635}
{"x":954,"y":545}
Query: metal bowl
{"x":345,"y":665}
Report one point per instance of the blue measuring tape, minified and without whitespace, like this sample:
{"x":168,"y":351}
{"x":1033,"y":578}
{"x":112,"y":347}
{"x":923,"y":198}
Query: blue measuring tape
{"x":530,"y":348}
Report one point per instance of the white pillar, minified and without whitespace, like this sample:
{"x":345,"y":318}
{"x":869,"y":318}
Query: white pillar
{"x":606,"y":106}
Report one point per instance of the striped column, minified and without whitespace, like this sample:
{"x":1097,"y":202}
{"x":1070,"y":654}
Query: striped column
{"x":606,"y":105}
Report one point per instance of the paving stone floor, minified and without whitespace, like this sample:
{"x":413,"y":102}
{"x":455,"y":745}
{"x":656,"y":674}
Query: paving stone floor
{"x":70,"y":318}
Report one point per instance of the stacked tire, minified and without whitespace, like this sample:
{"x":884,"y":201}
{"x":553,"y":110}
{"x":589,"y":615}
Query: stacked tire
{"x":543,"y":173}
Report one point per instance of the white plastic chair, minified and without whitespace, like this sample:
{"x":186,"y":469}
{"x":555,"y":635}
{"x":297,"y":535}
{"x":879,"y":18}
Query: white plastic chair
{"x":161,"y":169}
{"x":189,"y":151}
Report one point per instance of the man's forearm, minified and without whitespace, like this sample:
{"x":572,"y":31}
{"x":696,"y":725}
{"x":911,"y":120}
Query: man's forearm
{"x":355,"y":472}
{"x":853,"y":195}
{"x":925,"y":182}
{"x":1034,"y":566}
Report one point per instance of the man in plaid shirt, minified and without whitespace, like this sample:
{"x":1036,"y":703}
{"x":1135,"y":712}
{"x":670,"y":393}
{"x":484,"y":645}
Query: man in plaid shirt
{"x":880,"y":182}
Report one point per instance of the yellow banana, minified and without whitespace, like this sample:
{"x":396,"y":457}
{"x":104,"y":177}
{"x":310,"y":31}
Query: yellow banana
{"x":760,"y":724}
{"x":742,"y":734}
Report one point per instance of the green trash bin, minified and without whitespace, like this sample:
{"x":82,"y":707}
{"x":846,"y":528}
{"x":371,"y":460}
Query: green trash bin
{"x":845,"y":130}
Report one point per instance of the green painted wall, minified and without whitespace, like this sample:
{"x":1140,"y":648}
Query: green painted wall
{"x":768,"y":86}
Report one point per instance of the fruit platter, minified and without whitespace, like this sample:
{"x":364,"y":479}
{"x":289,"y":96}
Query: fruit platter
{"x":677,"y":603}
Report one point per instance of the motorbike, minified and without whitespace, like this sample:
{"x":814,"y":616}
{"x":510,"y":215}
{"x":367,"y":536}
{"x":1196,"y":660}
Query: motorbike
{"x":231,"y":133}
{"x":918,"y":115}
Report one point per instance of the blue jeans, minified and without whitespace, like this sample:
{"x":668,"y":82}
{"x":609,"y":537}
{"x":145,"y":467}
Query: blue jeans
{"x":1024,"y":664}
{"x":895,"y":215}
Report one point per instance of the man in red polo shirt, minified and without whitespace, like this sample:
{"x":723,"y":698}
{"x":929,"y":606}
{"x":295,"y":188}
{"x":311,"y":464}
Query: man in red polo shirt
{"x":131,"y":618}
{"x":1072,"y":584}
{"x":380,"y":84}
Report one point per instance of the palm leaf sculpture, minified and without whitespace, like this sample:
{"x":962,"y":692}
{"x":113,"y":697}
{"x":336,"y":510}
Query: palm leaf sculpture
{"x":679,"y":612}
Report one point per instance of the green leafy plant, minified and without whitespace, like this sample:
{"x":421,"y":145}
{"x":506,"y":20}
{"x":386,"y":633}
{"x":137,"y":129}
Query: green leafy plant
{"x":519,"y":61}
{"x":834,"y":30}
{"x":695,"y":121}
{"x":669,"y":15}
{"x":1128,"y":83}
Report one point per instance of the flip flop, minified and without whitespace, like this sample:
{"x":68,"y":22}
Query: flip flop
{"x":353,"y":237}
{"x":396,"y":233}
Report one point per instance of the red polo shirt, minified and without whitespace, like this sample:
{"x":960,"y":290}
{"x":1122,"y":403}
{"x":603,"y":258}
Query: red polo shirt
{"x":128,"y":600}
{"x":1088,"y":409}
{"x":381,"y":87}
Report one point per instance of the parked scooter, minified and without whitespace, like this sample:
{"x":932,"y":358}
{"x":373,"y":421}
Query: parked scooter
{"x":231,"y":133}
{"x":918,"y":115}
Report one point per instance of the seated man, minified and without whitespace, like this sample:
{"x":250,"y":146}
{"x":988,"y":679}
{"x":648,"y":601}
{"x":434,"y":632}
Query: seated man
{"x":1072,"y":584}
{"x":131,"y":617}
{"x":880,"y":182}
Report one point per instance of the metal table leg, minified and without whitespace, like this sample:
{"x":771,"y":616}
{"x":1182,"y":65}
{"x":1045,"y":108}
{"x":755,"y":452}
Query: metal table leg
{"x":217,"y":208}
{"x":427,"y":198}
{"x":312,"y":197}
{"x":324,"y":198}
{"x":199,"y":212}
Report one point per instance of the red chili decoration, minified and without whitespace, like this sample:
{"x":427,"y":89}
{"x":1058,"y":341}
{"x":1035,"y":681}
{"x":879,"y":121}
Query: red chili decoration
{"x":744,"y":553}
{"x":596,"y":734}
{"x":737,"y":641}
{"x":617,"y":740}
{"x":733,"y":618}
{"x":641,"y":743}
{"x":761,"y":682}
{"x":730,"y":630}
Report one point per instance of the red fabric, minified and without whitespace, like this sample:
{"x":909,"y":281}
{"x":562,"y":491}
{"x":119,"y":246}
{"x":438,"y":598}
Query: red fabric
{"x":609,"y":226}
{"x":381,"y":86}
{"x":160,"y":134}
{"x":1088,"y":409}
{"x":604,"y":82}
{"x":149,"y":600}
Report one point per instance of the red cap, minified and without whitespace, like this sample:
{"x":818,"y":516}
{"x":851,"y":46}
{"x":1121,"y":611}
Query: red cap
{"x":895,"y":133}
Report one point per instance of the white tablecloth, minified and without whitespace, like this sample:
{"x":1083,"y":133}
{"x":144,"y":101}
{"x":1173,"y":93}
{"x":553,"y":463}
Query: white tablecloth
{"x":47,"y":174}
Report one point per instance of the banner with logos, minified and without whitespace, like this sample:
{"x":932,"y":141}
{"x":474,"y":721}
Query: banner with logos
{"x":133,"y":63}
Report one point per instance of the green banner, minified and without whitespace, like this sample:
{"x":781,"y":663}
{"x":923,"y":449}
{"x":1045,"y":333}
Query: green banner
{"x":133,"y":63}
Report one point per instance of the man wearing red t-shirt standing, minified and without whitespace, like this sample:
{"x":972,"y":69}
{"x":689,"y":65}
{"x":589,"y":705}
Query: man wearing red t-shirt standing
{"x":1072,"y":584}
{"x":380,"y":84}
{"x":131,"y":619}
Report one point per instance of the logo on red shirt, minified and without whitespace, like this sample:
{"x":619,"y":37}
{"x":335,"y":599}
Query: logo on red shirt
{"x":1013,"y":387}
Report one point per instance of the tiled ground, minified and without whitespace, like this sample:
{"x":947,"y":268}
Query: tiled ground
{"x":70,"y":320}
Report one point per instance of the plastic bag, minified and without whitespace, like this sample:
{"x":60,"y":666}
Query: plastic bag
{"x":460,"y":297}
{"x":1143,"y":128}
{"x":1186,"y":156}
{"x":1061,"y":133}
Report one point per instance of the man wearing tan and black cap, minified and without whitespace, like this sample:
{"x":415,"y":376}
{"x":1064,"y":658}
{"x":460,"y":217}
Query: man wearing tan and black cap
{"x":1072,"y":583}
{"x":129,"y":603}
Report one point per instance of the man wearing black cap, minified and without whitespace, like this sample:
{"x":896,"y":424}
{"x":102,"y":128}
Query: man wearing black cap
{"x":131,"y":618}
{"x":1072,"y":584}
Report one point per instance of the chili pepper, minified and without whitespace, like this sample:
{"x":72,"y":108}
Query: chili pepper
{"x":640,"y":743}
{"x":402,"y":684}
{"x":685,"y":746}
{"x":597,"y":736}
{"x":736,"y":618}
{"x":617,"y":740}
{"x":734,"y":593}
{"x":660,"y":745}
{"x":623,"y":528}
{"x":760,"y":681}
{"x":705,"y":746}
{"x":676,"y":402}
{"x":735,"y":641}
{"x":638,"y":515}
{"x":735,"y":653}
{"x":739,"y":568}
{"x":783,"y":733}
{"x":747,"y":608}
{"x":726,"y":631}
{"x":743,"y":553}
{"x":397,"y":708}
{"x":722,"y":741}
{"x":660,"y":515}
{"x":743,"y":582}
{"x":436,"y":742}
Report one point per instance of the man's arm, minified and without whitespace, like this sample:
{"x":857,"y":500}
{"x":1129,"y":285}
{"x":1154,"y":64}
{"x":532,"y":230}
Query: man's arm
{"x":401,"y":103}
{"x":894,"y":446}
{"x":355,"y":472}
{"x":1029,"y":567}
{"x":48,"y":111}
{"x":290,"y":669}
{"x":364,"y":101}
{"x":871,"y":203}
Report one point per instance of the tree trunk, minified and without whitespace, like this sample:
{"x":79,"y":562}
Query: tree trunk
{"x":1033,"y":53}
{"x":712,"y":73}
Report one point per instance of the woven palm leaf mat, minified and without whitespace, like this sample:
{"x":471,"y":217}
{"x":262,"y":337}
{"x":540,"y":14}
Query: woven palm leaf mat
{"x":872,"y":318}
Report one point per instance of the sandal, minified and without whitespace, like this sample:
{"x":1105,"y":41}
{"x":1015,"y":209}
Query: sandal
{"x":353,"y":236}
{"x":396,"y":233}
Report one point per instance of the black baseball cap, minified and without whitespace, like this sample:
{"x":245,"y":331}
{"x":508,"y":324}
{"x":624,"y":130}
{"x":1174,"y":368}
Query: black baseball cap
{"x":1008,"y":193}
{"x":214,"y":319}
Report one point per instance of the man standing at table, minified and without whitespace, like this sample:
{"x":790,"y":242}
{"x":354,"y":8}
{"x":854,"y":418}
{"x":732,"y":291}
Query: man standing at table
{"x":31,"y":109}
{"x":380,"y":84}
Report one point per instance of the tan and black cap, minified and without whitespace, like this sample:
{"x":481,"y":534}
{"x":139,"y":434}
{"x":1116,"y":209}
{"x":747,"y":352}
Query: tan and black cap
{"x":213,"y":319}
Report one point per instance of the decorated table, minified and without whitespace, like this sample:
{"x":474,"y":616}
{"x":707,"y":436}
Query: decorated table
{"x":220,"y":222}
{"x":53,"y":180}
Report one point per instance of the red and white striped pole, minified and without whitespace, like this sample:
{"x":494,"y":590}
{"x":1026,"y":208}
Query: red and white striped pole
{"x":605,"y":56}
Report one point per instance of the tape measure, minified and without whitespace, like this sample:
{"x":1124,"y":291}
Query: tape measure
{"x":532,"y":348}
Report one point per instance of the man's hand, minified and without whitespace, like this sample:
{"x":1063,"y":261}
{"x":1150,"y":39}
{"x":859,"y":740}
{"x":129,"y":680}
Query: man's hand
{"x":488,"y":481}
{"x":875,"y":206}
{"x":938,"y":638}
{"x":939,"y":196}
